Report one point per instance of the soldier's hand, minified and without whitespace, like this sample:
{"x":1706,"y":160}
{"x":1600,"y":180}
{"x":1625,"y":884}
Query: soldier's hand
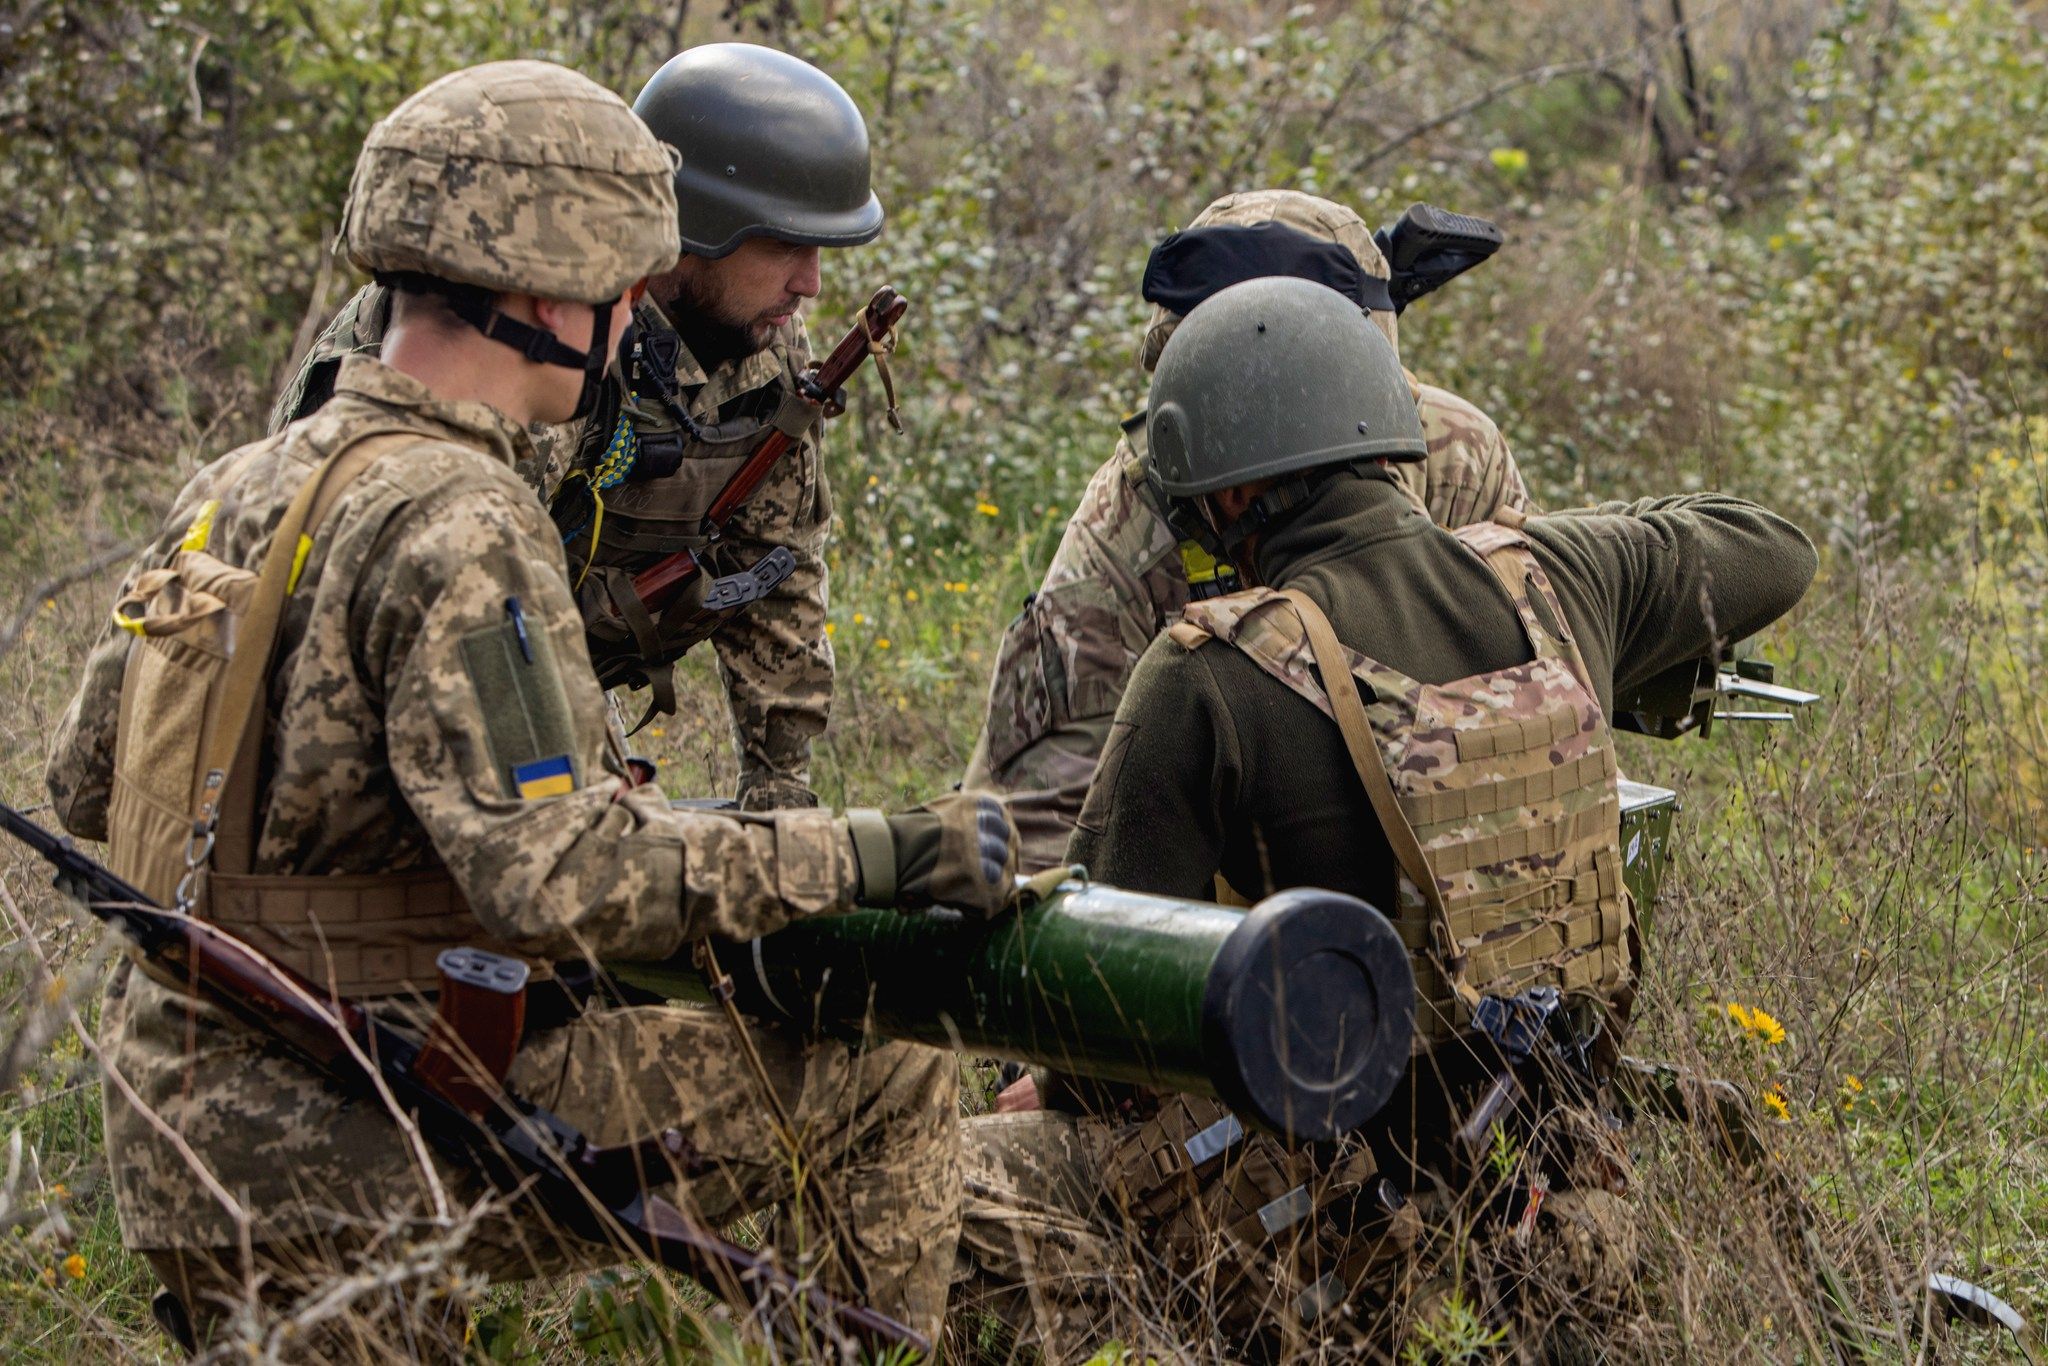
{"x":1019,"y":1096}
{"x":958,"y":850}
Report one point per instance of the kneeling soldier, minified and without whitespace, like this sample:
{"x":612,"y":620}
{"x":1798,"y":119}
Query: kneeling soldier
{"x":412,"y":754}
{"x":1121,"y":575}
{"x":1418,"y":718}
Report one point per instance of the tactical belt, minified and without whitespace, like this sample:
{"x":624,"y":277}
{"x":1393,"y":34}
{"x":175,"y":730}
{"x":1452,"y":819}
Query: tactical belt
{"x":366,"y":936}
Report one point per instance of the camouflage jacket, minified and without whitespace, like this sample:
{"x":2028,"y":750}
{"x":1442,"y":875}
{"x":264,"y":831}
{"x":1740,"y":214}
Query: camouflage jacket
{"x":1116,"y":581}
{"x":394,"y":745}
{"x":774,"y":657}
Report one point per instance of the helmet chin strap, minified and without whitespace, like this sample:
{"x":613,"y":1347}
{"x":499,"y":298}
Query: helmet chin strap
{"x":1188,"y":517}
{"x":475,"y":306}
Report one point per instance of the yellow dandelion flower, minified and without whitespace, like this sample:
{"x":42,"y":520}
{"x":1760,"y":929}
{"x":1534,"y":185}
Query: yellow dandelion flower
{"x":61,"y":1191}
{"x":74,"y":1267}
{"x":50,"y":1276}
{"x":657,"y":731}
{"x":1757,"y":1023}
{"x":1853,"y":1082}
{"x":874,"y":479}
{"x":831,"y":629}
{"x":882,"y":643}
{"x":860,"y":618}
{"x":910,"y":595}
{"x":1767,"y":1027}
{"x":49,"y":604}
{"x":1774,"y":1101}
{"x":988,"y":509}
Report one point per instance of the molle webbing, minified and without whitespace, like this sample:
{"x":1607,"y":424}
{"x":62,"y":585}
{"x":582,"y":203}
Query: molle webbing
{"x":1530,"y":840}
{"x":1515,"y":737}
{"x":1496,"y":793}
{"x":375,"y":935}
{"x":1484,"y":799}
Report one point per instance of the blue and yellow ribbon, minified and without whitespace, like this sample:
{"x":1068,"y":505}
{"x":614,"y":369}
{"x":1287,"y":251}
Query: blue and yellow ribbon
{"x":611,"y":469}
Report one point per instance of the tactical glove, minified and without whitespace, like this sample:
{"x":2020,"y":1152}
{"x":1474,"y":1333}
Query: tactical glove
{"x":958,"y":850}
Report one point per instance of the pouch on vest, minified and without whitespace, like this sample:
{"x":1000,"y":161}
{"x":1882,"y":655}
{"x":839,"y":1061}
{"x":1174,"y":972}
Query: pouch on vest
{"x":183,"y":746}
{"x":1258,"y":1225}
{"x":184,"y":618}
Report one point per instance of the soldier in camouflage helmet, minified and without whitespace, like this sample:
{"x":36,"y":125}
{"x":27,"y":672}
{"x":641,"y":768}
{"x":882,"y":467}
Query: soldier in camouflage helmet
{"x":1418,"y":718}
{"x":437,"y":770}
{"x":772,"y":165}
{"x":1120,"y":574}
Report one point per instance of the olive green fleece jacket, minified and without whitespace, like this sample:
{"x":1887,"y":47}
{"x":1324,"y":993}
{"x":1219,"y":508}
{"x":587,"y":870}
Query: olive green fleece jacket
{"x":1214,"y":765}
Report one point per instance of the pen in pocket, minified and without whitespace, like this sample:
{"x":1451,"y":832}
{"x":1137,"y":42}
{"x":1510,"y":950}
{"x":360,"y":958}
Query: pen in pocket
{"x":519,"y":628}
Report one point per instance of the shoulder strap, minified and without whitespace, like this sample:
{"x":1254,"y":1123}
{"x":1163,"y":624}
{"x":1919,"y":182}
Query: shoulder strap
{"x":233,"y":735}
{"x":1349,"y":711}
{"x":1520,"y":574}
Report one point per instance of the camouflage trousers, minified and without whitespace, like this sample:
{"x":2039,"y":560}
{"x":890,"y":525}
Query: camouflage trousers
{"x":367,"y":1231}
{"x":1053,"y":1257}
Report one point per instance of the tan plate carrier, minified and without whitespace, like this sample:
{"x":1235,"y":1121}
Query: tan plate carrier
{"x":1496,"y":792}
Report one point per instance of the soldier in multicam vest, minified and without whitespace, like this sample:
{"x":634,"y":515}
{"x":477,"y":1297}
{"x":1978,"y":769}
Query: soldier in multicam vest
{"x":1418,"y":718}
{"x":772,"y":166}
{"x":436,"y":769}
{"x":1121,"y":574}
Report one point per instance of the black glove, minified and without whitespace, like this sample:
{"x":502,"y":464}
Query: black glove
{"x":958,"y":850}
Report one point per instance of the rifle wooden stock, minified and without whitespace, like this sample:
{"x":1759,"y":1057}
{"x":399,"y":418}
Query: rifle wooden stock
{"x":659,"y":584}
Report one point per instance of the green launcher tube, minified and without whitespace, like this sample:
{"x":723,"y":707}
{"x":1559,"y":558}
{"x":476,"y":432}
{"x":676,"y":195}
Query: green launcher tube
{"x":1297,"y":1013}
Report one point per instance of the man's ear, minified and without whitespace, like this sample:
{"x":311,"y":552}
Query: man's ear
{"x":553,"y":314}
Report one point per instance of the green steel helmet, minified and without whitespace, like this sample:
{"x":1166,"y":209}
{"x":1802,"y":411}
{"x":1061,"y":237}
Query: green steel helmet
{"x":1272,"y":377}
{"x":771,"y":147}
{"x":517,"y":177}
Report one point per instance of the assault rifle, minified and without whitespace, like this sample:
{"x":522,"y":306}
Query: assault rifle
{"x":452,"y":1083}
{"x":658,"y":585}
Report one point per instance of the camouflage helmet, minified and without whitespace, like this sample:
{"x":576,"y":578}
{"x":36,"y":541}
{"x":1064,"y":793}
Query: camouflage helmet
{"x":518,"y":177}
{"x":1271,"y":377}
{"x":770,"y":146}
{"x":1318,"y":217}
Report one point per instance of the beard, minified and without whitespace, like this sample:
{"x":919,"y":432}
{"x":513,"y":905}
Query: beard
{"x":713,"y":330}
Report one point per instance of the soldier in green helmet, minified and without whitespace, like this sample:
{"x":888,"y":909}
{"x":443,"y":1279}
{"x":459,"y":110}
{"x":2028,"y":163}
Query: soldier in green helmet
{"x":771,"y":168}
{"x":1417,"y":718}
{"x":1121,"y":574}
{"x":436,"y":770}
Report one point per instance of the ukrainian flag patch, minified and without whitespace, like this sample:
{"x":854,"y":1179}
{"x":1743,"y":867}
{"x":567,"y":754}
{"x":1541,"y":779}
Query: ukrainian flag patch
{"x":544,"y":778}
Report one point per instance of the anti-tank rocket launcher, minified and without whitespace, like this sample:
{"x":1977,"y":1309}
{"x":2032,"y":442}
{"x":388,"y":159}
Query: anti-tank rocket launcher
{"x":1298,"y":1014}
